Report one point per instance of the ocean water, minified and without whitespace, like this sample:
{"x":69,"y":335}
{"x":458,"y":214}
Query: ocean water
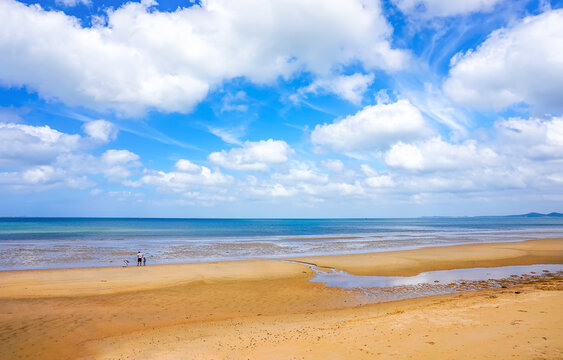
{"x":37,"y":243}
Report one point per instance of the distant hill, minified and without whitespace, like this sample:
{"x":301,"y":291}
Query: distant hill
{"x":535,"y":214}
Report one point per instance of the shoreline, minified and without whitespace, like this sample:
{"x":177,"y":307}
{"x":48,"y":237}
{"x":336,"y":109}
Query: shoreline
{"x":110,"y":279}
{"x":42,"y":245}
{"x":268,"y":309}
{"x":400,"y":249}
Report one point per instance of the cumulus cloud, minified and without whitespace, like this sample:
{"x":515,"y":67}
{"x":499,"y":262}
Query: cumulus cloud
{"x":436,"y":154}
{"x":374,"y":127}
{"x":301,"y":174}
{"x":305,"y":183}
{"x":271,"y":190}
{"x":45,"y":177}
{"x":101,"y":130}
{"x":187,"y":178}
{"x":332,"y":165}
{"x":348,"y":87}
{"x":117,"y":164}
{"x":71,"y":3}
{"x":380,"y":181}
{"x":313,"y":191}
{"x":173,"y":59}
{"x":519,"y":64}
{"x":39,"y":174}
{"x":334,"y":189}
{"x":253,"y":156}
{"x":23,"y":145}
{"x":44,"y":158}
{"x":441,"y":8}
{"x":187,"y":166}
{"x":114,"y":165}
{"x":376,"y":180}
{"x":539,"y":139}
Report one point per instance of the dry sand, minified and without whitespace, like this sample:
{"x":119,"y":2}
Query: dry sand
{"x":268,"y":309}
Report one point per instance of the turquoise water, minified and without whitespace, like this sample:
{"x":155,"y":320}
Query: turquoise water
{"x":29,"y":243}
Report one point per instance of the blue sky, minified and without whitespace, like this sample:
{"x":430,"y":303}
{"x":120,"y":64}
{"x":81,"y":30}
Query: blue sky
{"x":281,"y":108}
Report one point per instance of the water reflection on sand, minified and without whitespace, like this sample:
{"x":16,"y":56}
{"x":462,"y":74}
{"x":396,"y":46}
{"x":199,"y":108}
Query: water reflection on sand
{"x":387,"y":288}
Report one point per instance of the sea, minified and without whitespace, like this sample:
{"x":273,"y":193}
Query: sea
{"x":43,"y":243}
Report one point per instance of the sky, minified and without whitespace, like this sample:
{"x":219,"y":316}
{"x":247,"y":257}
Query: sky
{"x":281,"y":108}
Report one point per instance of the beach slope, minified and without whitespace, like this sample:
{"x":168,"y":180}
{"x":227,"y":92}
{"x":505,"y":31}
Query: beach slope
{"x":268,"y":309}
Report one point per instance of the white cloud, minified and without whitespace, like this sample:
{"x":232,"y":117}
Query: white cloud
{"x":432,"y":102}
{"x":12,"y":114}
{"x":313,"y":191}
{"x":301,"y":174}
{"x":304,"y":183}
{"x":173,"y":59}
{"x":406,"y":156}
{"x":234,"y":102}
{"x":532,"y":138}
{"x":101,"y":130}
{"x":380,"y":181}
{"x":348,"y":87}
{"x":118,"y":157}
{"x":272,"y":190}
{"x":45,"y":158}
{"x":334,"y":165}
{"x":373,"y":128}
{"x":22,"y":145}
{"x":375,"y":179}
{"x":187,"y":166}
{"x":126,"y":196}
{"x":436,"y":154}
{"x":39,"y":174}
{"x":335,"y":189}
{"x":96,"y":192}
{"x":205,"y":199}
{"x":441,"y":8}
{"x":34,"y":178}
{"x":71,"y":3}
{"x":44,"y":177}
{"x":521,"y":63}
{"x":253,"y":156}
{"x":230,"y":136}
{"x":368,"y":170}
{"x":187,"y":178}
{"x":117,"y":164}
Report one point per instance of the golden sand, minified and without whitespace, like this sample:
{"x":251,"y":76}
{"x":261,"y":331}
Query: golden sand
{"x":268,"y":309}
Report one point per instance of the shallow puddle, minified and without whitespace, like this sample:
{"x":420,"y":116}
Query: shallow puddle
{"x":337,"y":278}
{"x":386,"y":288}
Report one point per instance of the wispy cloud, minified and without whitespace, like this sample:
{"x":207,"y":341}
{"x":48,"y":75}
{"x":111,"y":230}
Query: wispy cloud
{"x":230,"y":136}
{"x":135,"y":127}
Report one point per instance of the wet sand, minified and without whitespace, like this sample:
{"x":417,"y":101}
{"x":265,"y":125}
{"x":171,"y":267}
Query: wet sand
{"x":412,"y":262}
{"x":268,"y":309}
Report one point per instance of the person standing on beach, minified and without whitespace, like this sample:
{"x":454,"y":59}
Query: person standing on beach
{"x":140,"y":256}
{"x":144,"y":260}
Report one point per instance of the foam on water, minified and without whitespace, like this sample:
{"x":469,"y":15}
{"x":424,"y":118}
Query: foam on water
{"x":32,"y":243}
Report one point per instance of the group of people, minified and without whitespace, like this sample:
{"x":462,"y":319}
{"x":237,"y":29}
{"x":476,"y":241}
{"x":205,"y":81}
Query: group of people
{"x":141,"y":260}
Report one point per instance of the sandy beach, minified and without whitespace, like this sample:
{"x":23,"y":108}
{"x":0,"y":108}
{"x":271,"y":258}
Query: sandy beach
{"x":269,"y":309}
